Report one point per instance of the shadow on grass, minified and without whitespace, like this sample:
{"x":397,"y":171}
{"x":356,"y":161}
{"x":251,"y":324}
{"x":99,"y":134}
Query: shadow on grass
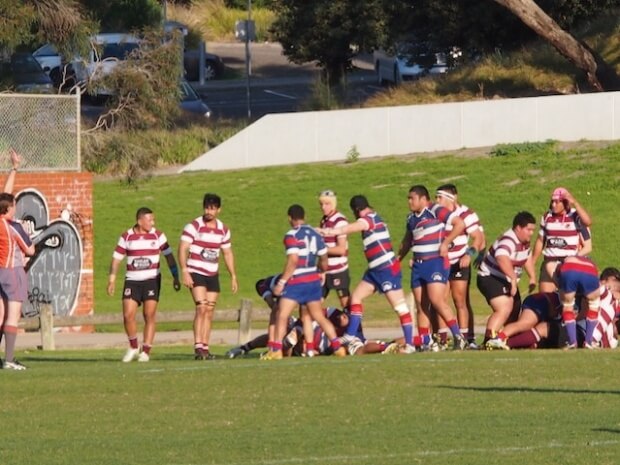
{"x":531,"y":389}
{"x":607,"y":430}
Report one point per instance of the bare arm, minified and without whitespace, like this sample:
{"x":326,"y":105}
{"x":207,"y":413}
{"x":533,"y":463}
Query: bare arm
{"x":458,"y":226}
{"x":586,"y":220}
{"x":112,"y":276}
{"x":15,"y":162}
{"x":186,"y":278}
{"x":289,"y":269}
{"x":505,"y":265}
{"x":405,"y":245}
{"x":229,"y":259}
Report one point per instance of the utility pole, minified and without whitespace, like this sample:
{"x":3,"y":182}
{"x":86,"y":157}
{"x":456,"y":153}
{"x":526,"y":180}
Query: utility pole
{"x":248,"y":66}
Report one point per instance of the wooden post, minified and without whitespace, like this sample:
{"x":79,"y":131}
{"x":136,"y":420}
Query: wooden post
{"x":46,"y":319}
{"x":245,"y":321}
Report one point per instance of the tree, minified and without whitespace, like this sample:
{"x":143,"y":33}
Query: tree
{"x":124,"y":15}
{"x":327,"y":31}
{"x":60,"y":22}
{"x":598,"y":73}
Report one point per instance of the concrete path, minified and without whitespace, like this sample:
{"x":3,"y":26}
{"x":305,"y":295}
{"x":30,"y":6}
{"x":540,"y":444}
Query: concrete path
{"x":80,"y":341}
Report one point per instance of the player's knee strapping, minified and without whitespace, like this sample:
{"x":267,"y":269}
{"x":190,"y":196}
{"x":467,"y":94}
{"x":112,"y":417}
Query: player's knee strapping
{"x":402,"y":308}
{"x":206,"y":305}
{"x":593,"y":307}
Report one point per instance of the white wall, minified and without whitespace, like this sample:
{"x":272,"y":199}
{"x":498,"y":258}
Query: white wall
{"x":288,"y":138}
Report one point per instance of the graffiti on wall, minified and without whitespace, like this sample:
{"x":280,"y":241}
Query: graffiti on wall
{"x":54,"y":271}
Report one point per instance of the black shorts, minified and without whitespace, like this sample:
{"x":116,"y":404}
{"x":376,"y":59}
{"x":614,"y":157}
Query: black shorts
{"x":212,"y":283}
{"x":459,"y":274}
{"x":142,"y":290}
{"x":492,"y":287}
{"x":340,"y":282}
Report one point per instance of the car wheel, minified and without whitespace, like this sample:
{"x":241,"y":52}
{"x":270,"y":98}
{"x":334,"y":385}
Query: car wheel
{"x":210,"y":71}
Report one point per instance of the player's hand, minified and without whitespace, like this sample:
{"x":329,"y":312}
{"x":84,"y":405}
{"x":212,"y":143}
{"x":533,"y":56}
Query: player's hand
{"x":443,"y":249}
{"x":187,"y":280}
{"x":530,"y":287}
{"x":16,"y":158}
{"x":278,"y":288}
{"x":110,"y":288}
{"x":513,"y":288}
{"x":234,"y":284}
{"x":176,"y":284}
{"x":465,"y":261}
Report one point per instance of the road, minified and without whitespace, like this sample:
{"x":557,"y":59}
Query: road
{"x":276,"y":85}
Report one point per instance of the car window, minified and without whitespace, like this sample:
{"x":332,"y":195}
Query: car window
{"x":187,"y":92}
{"x":25,"y":64}
{"x":119,"y":51}
{"x":46,"y":50}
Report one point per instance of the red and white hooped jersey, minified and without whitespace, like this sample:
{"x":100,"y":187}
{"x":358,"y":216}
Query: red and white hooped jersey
{"x":336,"y":264}
{"x":561,"y":234}
{"x":460,"y":242}
{"x":507,"y":245}
{"x":205,"y":244}
{"x":142,"y":251}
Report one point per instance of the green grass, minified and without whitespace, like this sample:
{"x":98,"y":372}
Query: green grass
{"x":534,"y":407}
{"x":255,"y":203}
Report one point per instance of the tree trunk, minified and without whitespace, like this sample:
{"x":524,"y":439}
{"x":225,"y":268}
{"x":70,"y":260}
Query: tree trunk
{"x":599,"y":74}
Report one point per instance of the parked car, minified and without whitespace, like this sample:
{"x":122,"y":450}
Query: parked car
{"x":410,"y":61}
{"x":24,"y":74}
{"x":191,"y":101}
{"x":214,"y":66}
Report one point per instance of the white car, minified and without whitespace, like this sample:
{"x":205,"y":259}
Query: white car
{"x":411,"y":61}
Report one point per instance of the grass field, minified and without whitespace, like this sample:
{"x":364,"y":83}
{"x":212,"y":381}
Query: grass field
{"x":509,"y":408}
{"x":518,"y":177}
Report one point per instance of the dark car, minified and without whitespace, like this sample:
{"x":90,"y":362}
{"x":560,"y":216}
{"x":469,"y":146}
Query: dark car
{"x":191,"y":102}
{"x":25,"y":75}
{"x":214,"y":66}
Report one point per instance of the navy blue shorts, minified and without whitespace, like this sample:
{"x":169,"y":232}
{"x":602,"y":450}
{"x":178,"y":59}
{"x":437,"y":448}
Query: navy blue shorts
{"x":434,"y":270}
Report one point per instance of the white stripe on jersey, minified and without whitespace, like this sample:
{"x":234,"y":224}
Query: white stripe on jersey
{"x":205,"y":245}
{"x":460,"y":242}
{"x":506,"y":245}
{"x":142,"y":251}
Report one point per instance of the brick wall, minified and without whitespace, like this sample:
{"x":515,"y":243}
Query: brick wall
{"x":56,"y":275}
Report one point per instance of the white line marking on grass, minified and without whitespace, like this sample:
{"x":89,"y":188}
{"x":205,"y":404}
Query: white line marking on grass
{"x":278,"y":94}
{"x":421,"y":453}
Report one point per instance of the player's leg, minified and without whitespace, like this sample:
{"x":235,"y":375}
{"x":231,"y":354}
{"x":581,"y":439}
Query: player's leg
{"x":132,"y":298}
{"x":363,"y":290}
{"x":149,"y":311}
{"x":397,"y":300}
{"x":437,"y":296}
{"x":13,"y":313}
{"x":316,"y":312}
{"x":199,"y":294}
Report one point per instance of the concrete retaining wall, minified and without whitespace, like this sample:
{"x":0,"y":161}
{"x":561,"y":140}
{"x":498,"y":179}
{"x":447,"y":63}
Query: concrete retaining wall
{"x":289,"y":138}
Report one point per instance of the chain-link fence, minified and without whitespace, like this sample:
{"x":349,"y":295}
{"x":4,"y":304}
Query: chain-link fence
{"x":44,"y":129}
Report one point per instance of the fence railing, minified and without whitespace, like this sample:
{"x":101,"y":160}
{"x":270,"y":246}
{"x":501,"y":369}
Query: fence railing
{"x":46,"y":321}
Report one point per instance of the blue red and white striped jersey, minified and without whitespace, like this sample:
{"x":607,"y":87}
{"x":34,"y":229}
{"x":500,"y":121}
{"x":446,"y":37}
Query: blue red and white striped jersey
{"x":376,"y":241}
{"x":460,"y":242}
{"x":142,"y":251}
{"x":205,"y":244}
{"x":308,"y":245}
{"x":10,"y":242}
{"x":336,"y":264}
{"x":507,"y":245}
{"x":561,"y":234}
{"x":428,"y":230}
